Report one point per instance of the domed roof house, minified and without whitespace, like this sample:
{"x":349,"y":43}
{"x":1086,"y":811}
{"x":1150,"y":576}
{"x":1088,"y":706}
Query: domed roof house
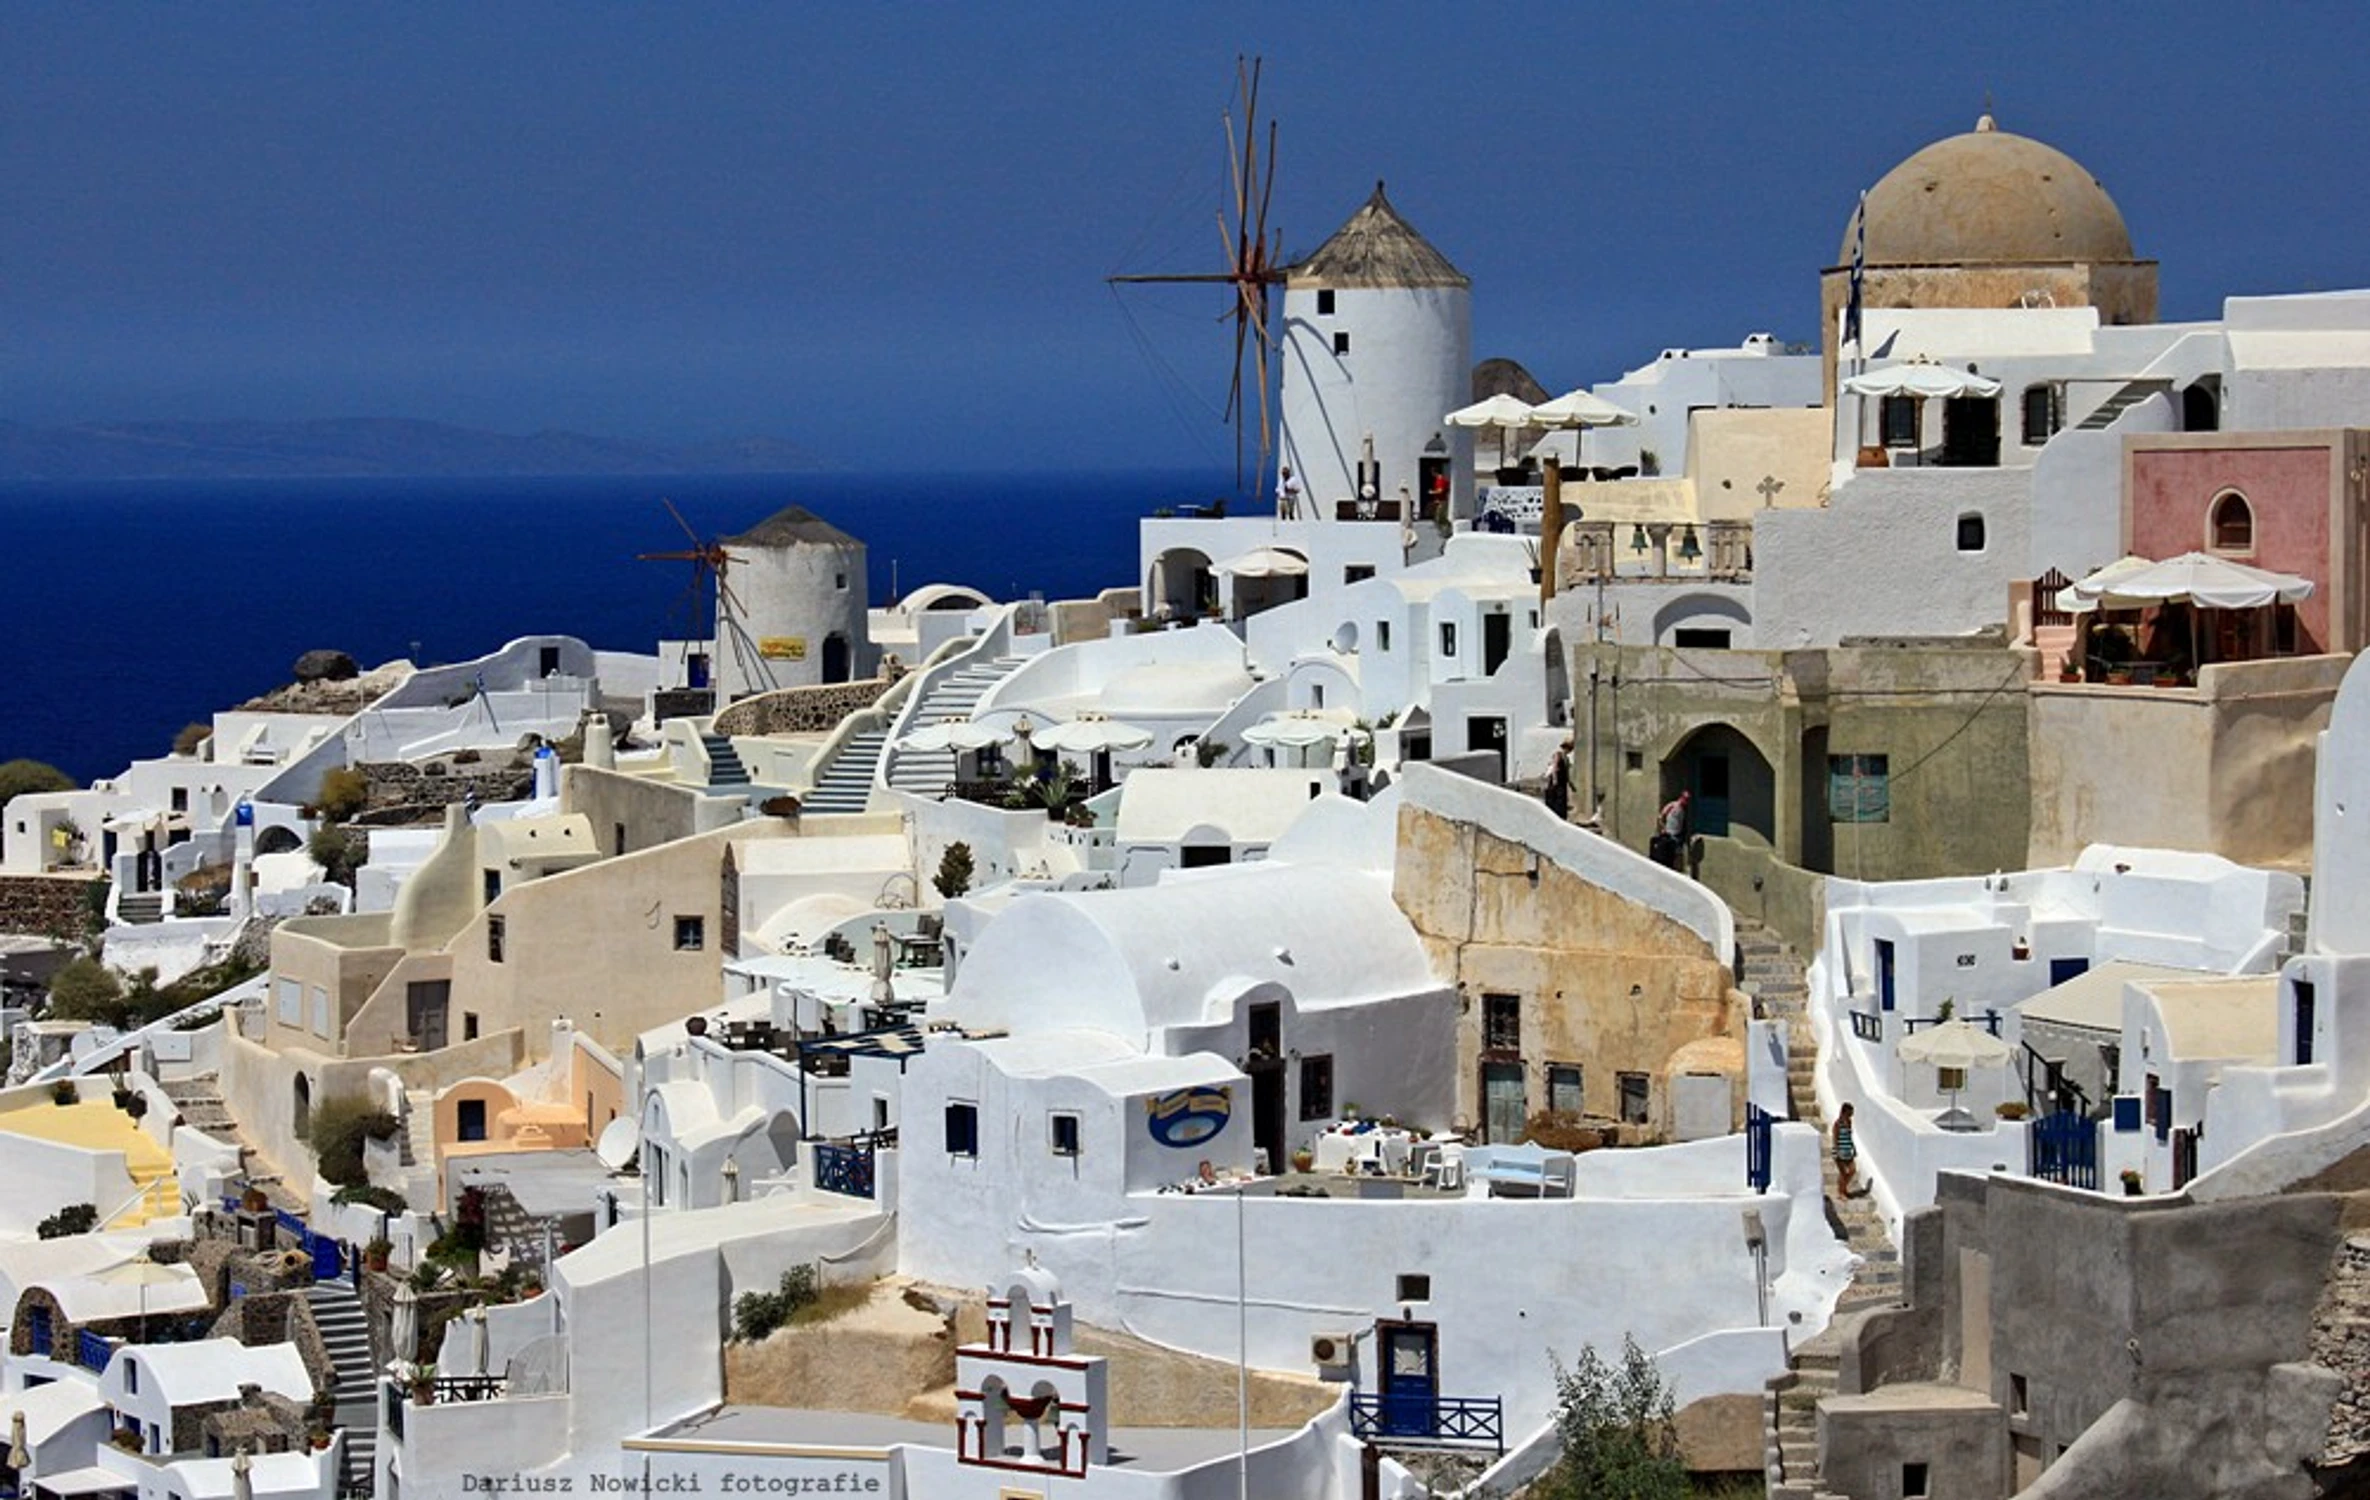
{"x":1989,"y":218}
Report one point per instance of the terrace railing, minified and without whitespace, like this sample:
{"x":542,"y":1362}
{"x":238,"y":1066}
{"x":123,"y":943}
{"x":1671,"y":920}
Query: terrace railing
{"x":1440,"y":1420}
{"x":843,"y":1169}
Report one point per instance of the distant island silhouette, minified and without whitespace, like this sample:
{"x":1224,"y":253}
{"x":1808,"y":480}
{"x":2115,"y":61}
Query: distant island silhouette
{"x":364,"y":447}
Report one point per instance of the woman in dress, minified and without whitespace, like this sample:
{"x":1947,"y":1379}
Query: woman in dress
{"x":1847,"y":1155}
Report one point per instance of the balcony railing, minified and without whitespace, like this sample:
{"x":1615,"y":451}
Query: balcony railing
{"x":843,"y":1169}
{"x":1428,"y":1420}
{"x":91,"y":1351}
{"x":1868,"y":1026}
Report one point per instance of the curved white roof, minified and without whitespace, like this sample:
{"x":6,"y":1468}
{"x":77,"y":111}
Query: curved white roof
{"x":1134,"y":961}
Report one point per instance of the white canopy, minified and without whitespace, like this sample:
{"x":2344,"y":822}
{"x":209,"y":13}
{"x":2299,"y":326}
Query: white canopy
{"x":1497,"y":411}
{"x":2070,"y":598}
{"x":1919,"y":379}
{"x":2201,"y":578}
{"x":1580,"y":409}
{"x":1954,"y":1044}
{"x":1092,"y":734}
{"x":1297,"y":730}
{"x":954,"y":734}
{"x":1265,"y":562}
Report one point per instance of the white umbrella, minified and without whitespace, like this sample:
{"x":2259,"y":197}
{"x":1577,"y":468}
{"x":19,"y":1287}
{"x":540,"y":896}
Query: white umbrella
{"x":143,"y":1273}
{"x":1091,"y":734}
{"x":1297,"y":730}
{"x":242,"y":1483}
{"x":1265,"y":562}
{"x":1954,"y":1044}
{"x":406,"y":1333}
{"x":2070,"y":598}
{"x":477,"y":1341}
{"x":1580,"y":409}
{"x":2199,"y":577}
{"x":1922,"y":380}
{"x":954,"y":734}
{"x":1503,"y":412}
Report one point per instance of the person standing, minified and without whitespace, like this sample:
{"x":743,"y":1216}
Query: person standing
{"x":1287,"y":495}
{"x":1847,"y":1154}
{"x":1558,"y":794}
{"x":1670,"y":832}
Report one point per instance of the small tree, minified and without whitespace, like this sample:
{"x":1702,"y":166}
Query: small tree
{"x":1619,"y":1432}
{"x":85,"y":990}
{"x":344,"y":791}
{"x":339,"y":851}
{"x":755,"y":1315}
{"x":954,"y":870}
{"x":338,"y":1129}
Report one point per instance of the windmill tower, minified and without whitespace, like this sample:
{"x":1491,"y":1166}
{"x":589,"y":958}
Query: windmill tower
{"x":799,"y":604}
{"x":1377,"y":347}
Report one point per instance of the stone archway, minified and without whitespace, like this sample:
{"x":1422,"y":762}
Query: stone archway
{"x":1732,"y":782}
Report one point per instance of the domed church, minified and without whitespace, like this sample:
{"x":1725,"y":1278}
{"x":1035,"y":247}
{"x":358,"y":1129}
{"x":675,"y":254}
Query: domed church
{"x":1989,"y":219}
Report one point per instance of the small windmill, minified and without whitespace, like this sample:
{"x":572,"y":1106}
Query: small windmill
{"x":1254,"y":261}
{"x":709,"y":562}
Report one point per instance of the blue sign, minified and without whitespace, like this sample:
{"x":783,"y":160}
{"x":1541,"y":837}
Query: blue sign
{"x":1188,"y":1117}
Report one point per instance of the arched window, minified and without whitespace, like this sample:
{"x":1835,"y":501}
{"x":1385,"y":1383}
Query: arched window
{"x":1971,"y":532}
{"x":2230,"y":525}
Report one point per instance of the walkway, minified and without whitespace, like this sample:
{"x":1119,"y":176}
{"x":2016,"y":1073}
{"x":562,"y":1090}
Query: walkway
{"x":97,"y":1125}
{"x":1772,"y":973}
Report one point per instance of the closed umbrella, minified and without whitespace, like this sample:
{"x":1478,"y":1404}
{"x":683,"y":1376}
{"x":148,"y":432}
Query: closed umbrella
{"x":478,"y":1341}
{"x":20,"y":1453}
{"x":242,"y":1482}
{"x":406,"y":1333}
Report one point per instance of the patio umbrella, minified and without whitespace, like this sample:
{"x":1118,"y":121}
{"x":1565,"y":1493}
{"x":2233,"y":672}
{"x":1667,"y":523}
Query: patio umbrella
{"x":1922,"y":380}
{"x":1580,"y":409}
{"x":1503,"y":412}
{"x":1265,"y":562}
{"x":1297,"y":730}
{"x":1954,"y":1044}
{"x":1094,"y":734}
{"x":954,"y":734}
{"x":2197,"y":577}
{"x":143,"y":1273}
{"x":2071,"y":599}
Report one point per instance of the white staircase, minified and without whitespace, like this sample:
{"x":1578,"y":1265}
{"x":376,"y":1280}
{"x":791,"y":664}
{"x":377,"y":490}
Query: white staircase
{"x":337,"y":1312}
{"x":846,"y":784}
{"x":927,"y":772}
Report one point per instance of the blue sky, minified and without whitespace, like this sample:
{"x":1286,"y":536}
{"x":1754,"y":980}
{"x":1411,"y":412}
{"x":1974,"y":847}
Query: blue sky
{"x":882,"y":231}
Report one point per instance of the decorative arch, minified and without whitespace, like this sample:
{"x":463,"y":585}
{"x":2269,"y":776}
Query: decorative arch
{"x":1689,"y":608}
{"x":279,"y":838}
{"x":1181,"y":584}
{"x":2230,"y":525}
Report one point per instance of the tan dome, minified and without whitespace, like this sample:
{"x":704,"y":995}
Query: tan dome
{"x":1990,"y":198}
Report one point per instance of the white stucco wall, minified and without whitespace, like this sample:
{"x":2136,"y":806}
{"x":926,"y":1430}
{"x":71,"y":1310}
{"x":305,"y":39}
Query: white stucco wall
{"x":1883,"y":558}
{"x":1409,"y":363}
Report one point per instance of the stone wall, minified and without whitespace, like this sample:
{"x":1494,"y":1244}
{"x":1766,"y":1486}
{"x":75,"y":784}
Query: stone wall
{"x":283,"y":1317}
{"x":801,"y":710}
{"x":396,"y":786}
{"x":46,"y":905}
{"x":2341,"y":1342}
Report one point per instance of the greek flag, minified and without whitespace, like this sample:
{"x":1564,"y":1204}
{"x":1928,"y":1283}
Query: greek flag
{"x":1851,"y":309}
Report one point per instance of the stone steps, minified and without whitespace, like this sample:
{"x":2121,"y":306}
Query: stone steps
{"x":345,"y":1333}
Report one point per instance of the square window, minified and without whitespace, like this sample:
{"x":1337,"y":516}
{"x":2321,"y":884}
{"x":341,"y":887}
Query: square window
{"x":1971,"y":532}
{"x":1341,"y":342}
{"x":1501,"y":1023}
{"x":1633,"y":760}
{"x":494,"y":939}
{"x":1950,"y":1080}
{"x":691,"y":934}
{"x":1316,"y":1087}
{"x":1065,"y":1135}
{"x":181,"y":799}
{"x":1859,"y":788}
{"x":1898,"y":415}
{"x":1414,"y":1287}
{"x":962,"y":1130}
{"x":1325,"y":302}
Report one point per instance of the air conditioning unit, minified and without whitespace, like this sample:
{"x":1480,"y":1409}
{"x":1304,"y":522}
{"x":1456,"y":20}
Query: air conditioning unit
{"x":1331,"y":1352}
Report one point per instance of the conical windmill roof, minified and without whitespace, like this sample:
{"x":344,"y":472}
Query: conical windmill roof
{"x":790,"y":527}
{"x":1376,"y":248}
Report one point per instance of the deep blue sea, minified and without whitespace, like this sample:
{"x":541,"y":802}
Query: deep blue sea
{"x":134,"y":607}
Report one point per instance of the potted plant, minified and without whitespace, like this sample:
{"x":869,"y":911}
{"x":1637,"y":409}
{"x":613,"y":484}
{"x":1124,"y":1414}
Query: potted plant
{"x":2013,"y":1109}
{"x":2131,"y":1182}
{"x":375,"y":1254}
{"x":423,"y":1389}
{"x":136,"y":1105}
{"x":1304,"y":1160}
{"x":253,"y":1200}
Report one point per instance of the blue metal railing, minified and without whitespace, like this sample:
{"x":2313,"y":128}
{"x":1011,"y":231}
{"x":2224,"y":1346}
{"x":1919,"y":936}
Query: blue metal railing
{"x":843,"y":1169}
{"x":1439,"y":1419}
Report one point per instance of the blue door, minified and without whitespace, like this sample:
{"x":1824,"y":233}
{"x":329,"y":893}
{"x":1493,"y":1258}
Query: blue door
{"x":327,"y":1259}
{"x":1410,"y":1378}
{"x":1884,"y":973}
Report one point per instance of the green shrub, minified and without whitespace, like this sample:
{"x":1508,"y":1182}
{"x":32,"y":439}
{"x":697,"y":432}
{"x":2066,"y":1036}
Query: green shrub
{"x":339,"y":851}
{"x":755,"y":1315}
{"x":17,"y":777}
{"x":75,"y":1218}
{"x":955,"y":869}
{"x":344,"y":791}
{"x":1619,"y":1434}
{"x":85,"y":990}
{"x":339,"y":1128}
{"x":385,"y":1200}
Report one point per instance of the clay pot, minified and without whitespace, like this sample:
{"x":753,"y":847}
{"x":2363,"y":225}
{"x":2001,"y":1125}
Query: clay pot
{"x":1873,"y":456}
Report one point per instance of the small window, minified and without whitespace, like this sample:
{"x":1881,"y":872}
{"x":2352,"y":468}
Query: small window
{"x":839,"y":581}
{"x":1382,"y":635}
{"x":1950,"y":1080}
{"x":880,"y":1113}
{"x":131,"y":1377}
{"x":962,"y":1130}
{"x":1633,"y":760}
{"x":1414,"y":1287}
{"x":2019,"y":1397}
{"x":493,"y":885}
{"x":617,"y":838}
{"x":1501,"y":1023}
{"x":494,"y":939}
{"x":181,"y":799}
{"x":2233,"y":523}
{"x":1859,"y":788}
{"x":1065,"y":1134}
{"x":1341,"y":341}
{"x":1913,"y":1481}
{"x":1563,"y":1088}
{"x":1897,"y":415}
{"x":1267,"y":1029}
{"x":1316,"y":695}
{"x":1637,"y":1096}
{"x":1325,"y":303}
{"x":691,"y":934}
{"x":1701,"y":637}
{"x":2044,"y":413}
{"x":1316,"y":1087}
{"x":1356,"y":572}
{"x":1448,"y":638}
{"x":1971,"y":532}
{"x":469,"y":1026}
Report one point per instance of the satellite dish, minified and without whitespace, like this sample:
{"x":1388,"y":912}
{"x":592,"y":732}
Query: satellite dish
{"x":620,"y":1142}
